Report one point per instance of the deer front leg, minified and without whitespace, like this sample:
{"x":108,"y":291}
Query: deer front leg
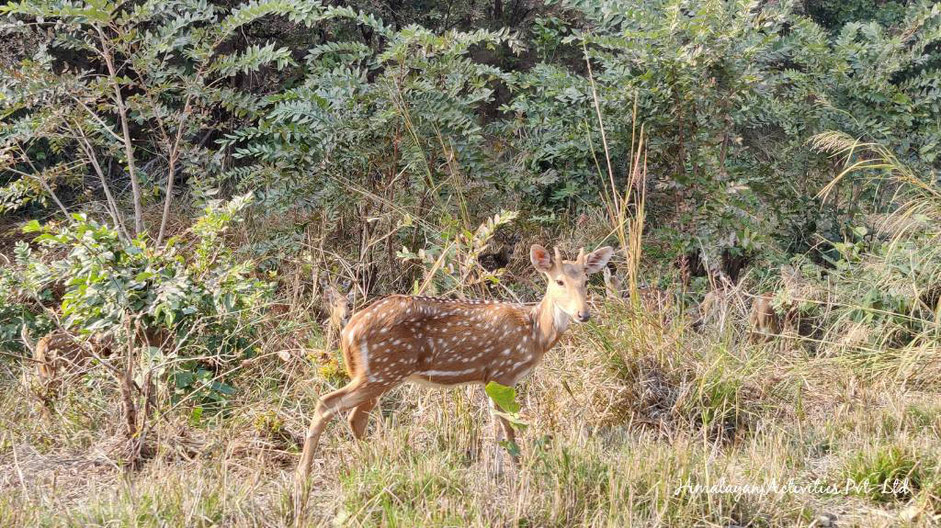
{"x":326,"y":408}
{"x":497,"y":438}
{"x":502,"y":430}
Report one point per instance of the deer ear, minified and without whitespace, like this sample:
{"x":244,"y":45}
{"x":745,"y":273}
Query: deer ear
{"x":541,"y":258}
{"x":597,"y":259}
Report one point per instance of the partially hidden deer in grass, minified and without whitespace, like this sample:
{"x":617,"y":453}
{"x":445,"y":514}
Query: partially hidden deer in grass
{"x":763,"y":319}
{"x":59,"y":353}
{"x":450,"y":342}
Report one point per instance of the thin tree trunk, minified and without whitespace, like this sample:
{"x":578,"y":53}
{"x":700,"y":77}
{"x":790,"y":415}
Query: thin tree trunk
{"x":52,"y":195}
{"x":128,"y":145}
{"x":127,"y":386}
{"x":171,"y":172}
{"x":42,"y":183}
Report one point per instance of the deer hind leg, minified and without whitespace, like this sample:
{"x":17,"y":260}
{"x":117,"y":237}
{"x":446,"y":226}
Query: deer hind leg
{"x":359,"y":417}
{"x":352,"y":395}
{"x":326,"y":408}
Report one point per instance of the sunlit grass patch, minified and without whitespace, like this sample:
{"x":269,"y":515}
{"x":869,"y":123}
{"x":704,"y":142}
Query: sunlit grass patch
{"x":886,"y":473}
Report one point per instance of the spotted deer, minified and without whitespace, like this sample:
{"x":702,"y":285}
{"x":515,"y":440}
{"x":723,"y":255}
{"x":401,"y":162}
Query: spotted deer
{"x":450,"y":342}
{"x":769,"y":319}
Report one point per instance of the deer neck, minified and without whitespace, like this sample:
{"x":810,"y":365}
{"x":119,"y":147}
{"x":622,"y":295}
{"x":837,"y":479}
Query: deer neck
{"x":549,"y":323}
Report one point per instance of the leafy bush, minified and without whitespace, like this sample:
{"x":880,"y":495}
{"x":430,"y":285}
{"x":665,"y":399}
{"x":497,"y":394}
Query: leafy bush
{"x":107,"y":280}
{"x":729,"y":93}
{"x":15,"y":313}
{"x":407,"y":108}
{"x":452,"y":261}
{"x":163,"y":89}
{"x":195,"y":290}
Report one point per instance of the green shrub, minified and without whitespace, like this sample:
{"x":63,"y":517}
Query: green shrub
{"x":195,"y":289}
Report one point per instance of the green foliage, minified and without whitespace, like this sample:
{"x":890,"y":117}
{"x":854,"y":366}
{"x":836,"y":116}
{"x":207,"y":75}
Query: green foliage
{"x":17,"y":309}
{"x":450,"y":260}
{"x":149,"y":109}
{"x":699,"y":76}
{"x":408,"y":108}
{"x":196,"y":289}
{"x":106,"y":279}
{"x":728,"y":93}
{"x":200,"y":385}
{"x":503,"y":396}
{"x":505,"y":399}
{"x":833,"y":15}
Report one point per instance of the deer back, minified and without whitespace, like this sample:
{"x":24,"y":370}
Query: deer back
{"x":440,"y":341}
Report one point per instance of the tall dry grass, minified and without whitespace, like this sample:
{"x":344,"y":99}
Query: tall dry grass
{"x":625,"y":420}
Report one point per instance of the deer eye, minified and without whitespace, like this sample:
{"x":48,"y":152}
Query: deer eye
{"x":560,"y":283}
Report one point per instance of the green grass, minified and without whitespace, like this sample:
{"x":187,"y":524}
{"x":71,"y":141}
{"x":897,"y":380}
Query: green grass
{"x":886,"y":473}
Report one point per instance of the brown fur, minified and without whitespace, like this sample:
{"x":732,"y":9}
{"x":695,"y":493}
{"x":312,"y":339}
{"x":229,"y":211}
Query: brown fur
{"x":338,"y":314}
{"x":764,"y":321}
{"x":712,"y":303}
{"x":60,"y":353}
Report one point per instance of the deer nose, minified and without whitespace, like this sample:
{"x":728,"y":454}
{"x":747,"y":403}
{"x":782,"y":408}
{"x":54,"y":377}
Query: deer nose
{"x":584,"y":317}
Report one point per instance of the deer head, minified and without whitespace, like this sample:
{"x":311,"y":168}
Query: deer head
{"x":338,"y":305}
{"x":568,"y":279}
